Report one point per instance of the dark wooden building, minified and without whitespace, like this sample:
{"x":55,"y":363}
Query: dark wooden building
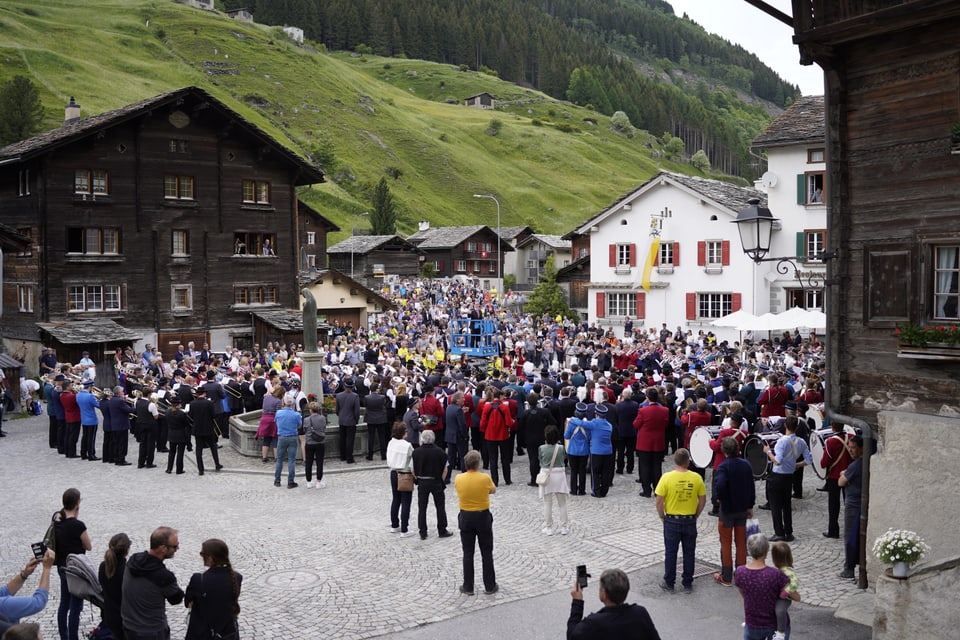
{"x":368,"y":259}
{"x":469,"y":251}
{"x":173,"y":217}
{"x":312,"y":228}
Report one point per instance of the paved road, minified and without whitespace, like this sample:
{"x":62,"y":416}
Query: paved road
{"x":321,"y":563}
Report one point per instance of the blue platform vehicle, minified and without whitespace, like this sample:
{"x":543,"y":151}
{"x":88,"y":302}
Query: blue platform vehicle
{"x":474,"y":339}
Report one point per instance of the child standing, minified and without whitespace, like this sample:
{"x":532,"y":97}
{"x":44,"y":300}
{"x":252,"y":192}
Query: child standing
{"x":782,"y":558}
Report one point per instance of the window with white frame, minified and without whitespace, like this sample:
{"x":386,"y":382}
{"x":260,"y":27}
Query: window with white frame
{"x":93,"y":298}
{"x":23,"y":186}
{"x":946,"y":282}
{"x":714,"y":253}
{"x":621,"y":304}
{"x":816,"y":156}
{"x":181,"y":297}
{"x":666,"y":254}
{"x":714,"y":305}
{"x":25,"y":296}
{"x":311,"y":261}
{"x":178,"y":187}
{"x":311,"y":237}
{"x":93,"y":240}
{"x":471,"y":246}
{"x":180,"y":242}
{"x":815,"y":243}
{"x":623,"y":255}
{"x":90,"y":182}
{"x":461,"y":266}
{"x":813,"y":299}
{"x":256,"y":191}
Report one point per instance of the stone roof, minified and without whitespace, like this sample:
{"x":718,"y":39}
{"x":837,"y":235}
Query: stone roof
{"x":98,"y":331}
{"x":729,"y":195}
{"x":510,"y":233}
{"x":554,"y":241}
{"x":803,"y":122}
{"x":447,"y":237}
{"x":7,"y":362}
{"x":366,"y":244}
{"x":73,"y":131}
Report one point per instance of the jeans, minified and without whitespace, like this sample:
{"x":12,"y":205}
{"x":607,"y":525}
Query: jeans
{"x":851,"y":537}
{"x":455,"y":453}
{"x":400,"y":507}
{"x":286,"y":448}
{"x":314,"y":452}
{"x":779,"y":487}
{"x":68,"y":615}
{"x":425,"y":489}
{"x":499,"y":449}
{"x":476,"y":527}
{"x":677,"y":532}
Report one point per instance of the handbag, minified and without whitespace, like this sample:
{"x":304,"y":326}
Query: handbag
{"x":544,"y":476}
{"x":404,"y":482}
{"x":753,"y":526}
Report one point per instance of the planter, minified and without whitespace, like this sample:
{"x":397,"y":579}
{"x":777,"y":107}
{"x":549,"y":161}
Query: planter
{"x":900,"y":570}
{"x":931,"y":351}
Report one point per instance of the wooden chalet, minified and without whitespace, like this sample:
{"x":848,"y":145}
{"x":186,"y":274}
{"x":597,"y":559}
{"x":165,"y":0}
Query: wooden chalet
{"x":470,"y":251}
{"x":312,"y":230}
{"x":481,"y":101}
{"x":173,"y":217}
{"x":892,"y":99}
{"x":342,"y":299}
{"x":368,"y":259}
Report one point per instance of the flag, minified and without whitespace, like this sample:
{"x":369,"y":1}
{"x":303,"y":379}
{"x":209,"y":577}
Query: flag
{"x":648,"y":265}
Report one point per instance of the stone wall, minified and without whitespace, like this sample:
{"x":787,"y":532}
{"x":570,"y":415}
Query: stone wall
{"x":921,"y":606}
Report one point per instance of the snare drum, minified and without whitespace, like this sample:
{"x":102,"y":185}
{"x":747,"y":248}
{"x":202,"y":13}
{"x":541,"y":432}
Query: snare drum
{"x":700,"y":452}
{"x":753,"y":453}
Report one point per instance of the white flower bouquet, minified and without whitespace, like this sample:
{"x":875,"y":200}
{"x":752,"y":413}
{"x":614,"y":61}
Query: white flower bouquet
{"x":900,"y":545}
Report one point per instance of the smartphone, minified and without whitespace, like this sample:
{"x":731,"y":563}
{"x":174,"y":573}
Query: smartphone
{"x":38,"y":549}
{"x":582,"y":575}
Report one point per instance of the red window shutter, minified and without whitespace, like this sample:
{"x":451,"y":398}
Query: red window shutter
{"x":676,"y":254}
{"x":601,"y":304}
{"x":725,"y":253}
{"x":736,"y":301}
{"x":691,"y":306}
{"x":613,"y":255}
{"x":641,"y":304}
{"x":702,"y":253}
{"x":633,"y":255}
{"x":441,"y":266}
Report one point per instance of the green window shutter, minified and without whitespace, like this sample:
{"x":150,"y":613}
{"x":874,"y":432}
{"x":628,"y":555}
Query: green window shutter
{"x":801,"y":189}
{"x":801,"y":246}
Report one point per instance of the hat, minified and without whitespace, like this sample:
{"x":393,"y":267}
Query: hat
{"x":88,"y":383}
{"x":85,"y":353}
{"x":427,"y":390}
{"x":348,"y":382}
{"x":790,"y":406}
{"x":60,"y":378}
{"x":179,"y":373}
{"x":600,"y":410}
{"x":581,"y":409}
{"x":412,"y":402}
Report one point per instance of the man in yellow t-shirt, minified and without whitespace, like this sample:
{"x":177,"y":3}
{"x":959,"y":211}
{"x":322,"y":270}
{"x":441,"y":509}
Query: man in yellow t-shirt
{"x":476,"y":522}
{"x":681,"y":496}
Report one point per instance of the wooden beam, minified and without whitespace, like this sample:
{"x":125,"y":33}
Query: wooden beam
{"x":772,"y":11}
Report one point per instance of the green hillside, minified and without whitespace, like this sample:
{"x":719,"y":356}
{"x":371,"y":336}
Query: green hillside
{"x":551,"y":164}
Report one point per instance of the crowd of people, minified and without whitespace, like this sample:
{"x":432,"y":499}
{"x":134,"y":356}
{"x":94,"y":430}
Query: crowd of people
{"x":575,"y":398}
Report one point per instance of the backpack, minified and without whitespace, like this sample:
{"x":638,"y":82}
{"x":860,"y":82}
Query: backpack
{"x":82,"y":579}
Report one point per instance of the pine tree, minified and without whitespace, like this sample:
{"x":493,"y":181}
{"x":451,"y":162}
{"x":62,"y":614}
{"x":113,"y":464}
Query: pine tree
{"x":547,"y":297}
{"x":383,"y":218}
{"x":21,"y":111}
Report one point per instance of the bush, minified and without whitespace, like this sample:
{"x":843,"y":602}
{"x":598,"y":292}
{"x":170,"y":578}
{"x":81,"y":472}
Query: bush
{"x":700,"y":160}
{"x":387,"y":66}
{"x":566,"y":128}
{"x":537,"y":122}
{"x":494,"y":127}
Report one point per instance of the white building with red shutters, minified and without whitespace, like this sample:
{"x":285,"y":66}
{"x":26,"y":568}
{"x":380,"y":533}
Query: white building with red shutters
{"x":698,"y":272}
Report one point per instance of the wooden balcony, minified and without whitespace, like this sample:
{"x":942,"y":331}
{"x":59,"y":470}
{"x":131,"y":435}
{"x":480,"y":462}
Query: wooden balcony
{"x":836,"y":21}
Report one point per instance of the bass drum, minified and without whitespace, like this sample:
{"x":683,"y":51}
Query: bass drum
{"x":700,"y":452}
{"x":814,"y":417}
{"x":753,"y":453}
{"x":818,"y":443}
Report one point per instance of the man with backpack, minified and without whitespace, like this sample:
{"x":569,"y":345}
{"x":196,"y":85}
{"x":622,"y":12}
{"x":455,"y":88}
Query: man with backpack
{"x":496,"y":423}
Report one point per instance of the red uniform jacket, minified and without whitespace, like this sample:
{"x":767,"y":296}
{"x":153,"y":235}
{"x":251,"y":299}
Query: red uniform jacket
{"x":835,"y":453}
{"x":432,"y":407}
{"x":772,"y":400}
{"x":718,"y":456}
{"x":651,"y":425}
{"x":691,"y":421}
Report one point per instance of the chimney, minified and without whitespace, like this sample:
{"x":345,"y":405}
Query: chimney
{"x":71,"y":112}
{"x":424,"y":225}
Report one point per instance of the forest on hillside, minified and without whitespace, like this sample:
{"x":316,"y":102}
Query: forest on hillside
{"x":586,"y":51}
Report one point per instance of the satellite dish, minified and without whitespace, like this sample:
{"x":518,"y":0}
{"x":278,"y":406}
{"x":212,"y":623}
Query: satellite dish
{"x":769,"y":179}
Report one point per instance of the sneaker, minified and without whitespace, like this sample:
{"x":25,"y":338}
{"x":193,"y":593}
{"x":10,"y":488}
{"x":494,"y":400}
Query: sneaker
{"x":564,"y":531}
{"x":320,"y":485}
{"x":547,"y":531}
{"x":688,"y":589}
{"x":309,"y":484}
{"x":292,"y":485}
{"x":665,"y":586}
{"x":466,"y":592}
{"x":276,"y":483}
{"x":492,"y":591}
{"x":719,"y":578}
{"x":789,"y":538}
{"x":445,"y":534}
{"x":406,"y":534}
{"x":394,"y":529}
{"x":846,"y":574}
{"x":779,"y":635}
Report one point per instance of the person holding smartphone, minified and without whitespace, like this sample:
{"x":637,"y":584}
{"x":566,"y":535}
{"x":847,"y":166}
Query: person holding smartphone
{"x":616,"y":620}
{"x":14,"y":607}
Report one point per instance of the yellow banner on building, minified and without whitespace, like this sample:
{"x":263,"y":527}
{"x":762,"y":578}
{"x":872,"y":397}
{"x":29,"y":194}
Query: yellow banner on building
{"x":648,"y":265}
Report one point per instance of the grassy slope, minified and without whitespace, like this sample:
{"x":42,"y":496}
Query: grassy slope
{"x":382,"y":113}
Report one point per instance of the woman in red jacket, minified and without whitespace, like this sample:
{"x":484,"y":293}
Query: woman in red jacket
{"x":71,"y":411}
{"x":773,"y":398}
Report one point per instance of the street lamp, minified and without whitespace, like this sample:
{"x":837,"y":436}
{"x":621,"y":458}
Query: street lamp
{"x":755,"y":224}
{"x":499,"y":261}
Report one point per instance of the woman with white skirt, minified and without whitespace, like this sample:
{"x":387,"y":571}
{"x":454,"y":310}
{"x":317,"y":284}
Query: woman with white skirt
{"x":553,"y":461}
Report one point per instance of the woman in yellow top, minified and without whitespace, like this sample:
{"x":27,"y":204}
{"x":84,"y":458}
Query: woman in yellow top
{"x":476,"y":522}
